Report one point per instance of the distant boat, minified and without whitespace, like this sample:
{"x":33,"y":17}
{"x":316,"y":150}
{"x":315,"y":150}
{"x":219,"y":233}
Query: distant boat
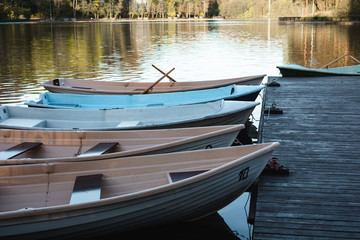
{"x":294,"y":70}
{"x":25,"y":147}
{"x":77,"y":86}
{"x":222,"y":112}
{"x":232,"y":92}
{"x":88,"y":199}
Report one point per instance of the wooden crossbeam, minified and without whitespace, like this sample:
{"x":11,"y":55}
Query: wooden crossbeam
{"x":18,"y":149}
{"x":86,"y":189}
{"x":99,"y":149}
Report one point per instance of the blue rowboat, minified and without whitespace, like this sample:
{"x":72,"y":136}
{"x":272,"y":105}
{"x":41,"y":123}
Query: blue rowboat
{"x":231,"y":92}
{"x":294,"y":70}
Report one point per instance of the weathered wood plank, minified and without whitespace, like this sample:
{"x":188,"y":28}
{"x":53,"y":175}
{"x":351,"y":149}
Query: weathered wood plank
{"x":319,"y":136}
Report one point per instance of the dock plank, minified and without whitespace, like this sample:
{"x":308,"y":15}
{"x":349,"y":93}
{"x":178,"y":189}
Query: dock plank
{"x":319,"y":133}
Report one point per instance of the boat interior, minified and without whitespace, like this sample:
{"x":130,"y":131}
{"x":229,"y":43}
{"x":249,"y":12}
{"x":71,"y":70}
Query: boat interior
{"x":17,"y":144}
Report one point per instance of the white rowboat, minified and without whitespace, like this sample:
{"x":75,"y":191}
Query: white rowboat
{"x":196,"y":115}
{"x":77,"y":86}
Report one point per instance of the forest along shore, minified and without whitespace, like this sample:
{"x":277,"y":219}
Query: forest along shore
{"x":163,"y":9}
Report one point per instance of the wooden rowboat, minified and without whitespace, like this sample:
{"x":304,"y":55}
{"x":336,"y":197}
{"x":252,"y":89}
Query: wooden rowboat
{"x":294,"y":70}
{"x":82,"y":199}
{"x":231,"y":92}
{"x":195,"y":115}
{"x":25,"y":147}
{"x":77,"y":86}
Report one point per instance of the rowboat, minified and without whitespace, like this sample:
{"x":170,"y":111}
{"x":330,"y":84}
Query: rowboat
{"x":82,"y":199}
{"x":294,"y":70}
{"x":196,"y":115}
{"x":77,"y":86}
{"x":25,"y":147}
{"x":231,"y":92}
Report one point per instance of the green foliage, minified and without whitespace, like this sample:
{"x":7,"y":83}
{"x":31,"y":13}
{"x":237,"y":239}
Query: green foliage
{"x":56,"y":9}
{"x":213,"y":9}
{"x":171,"y":9}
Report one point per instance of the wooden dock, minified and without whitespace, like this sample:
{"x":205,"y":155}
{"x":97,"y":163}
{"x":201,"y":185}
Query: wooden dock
{"x":319,"y":133}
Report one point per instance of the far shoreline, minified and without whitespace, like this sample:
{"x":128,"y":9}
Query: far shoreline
{"x":106,"y":20}
{"x":281,"y":20}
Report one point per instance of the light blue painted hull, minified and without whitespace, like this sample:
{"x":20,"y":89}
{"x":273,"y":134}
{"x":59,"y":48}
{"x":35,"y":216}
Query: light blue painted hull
{"x":231,"y":92}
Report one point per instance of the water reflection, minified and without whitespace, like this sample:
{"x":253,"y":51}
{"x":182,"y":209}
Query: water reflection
{"x":210,"y":227}
{"x":315,"y":45}
{"x":32,"y":53}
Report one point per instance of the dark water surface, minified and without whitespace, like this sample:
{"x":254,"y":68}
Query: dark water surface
{"x":202,"y":50}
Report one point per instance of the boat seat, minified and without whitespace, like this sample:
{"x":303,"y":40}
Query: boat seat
{"x":23,"y":122}
{"x":99,"y":149}
{"x":128,"y":123}
{"x":18,"y":149}
{"x":178,"y":176}
{"x":86,"y":189}
{"x":56,"y":82}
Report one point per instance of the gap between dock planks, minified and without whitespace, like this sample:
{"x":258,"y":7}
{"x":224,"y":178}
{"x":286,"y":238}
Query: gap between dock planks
{"x":319,"y":133}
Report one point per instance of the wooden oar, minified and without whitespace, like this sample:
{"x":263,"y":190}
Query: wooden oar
{"x":346,"y":54}
{"x":171,"y":79}
{"x":356,"y":60}
{"x":327,"y":65}
{"x":152,"y":85}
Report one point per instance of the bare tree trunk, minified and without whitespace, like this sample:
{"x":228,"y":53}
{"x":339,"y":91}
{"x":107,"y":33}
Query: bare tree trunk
{"x":74,"y":8}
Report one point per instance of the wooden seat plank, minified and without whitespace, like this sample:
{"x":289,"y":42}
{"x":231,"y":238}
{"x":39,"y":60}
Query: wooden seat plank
{"x":18,"y":149}
{"x":86,"y":188}
{"x":99,"y":149}
{"x":178,"y":176}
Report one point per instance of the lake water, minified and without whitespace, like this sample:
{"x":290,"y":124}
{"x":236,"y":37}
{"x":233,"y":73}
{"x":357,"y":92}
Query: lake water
{"x":202,"y":50}
{"x":199,"y":50}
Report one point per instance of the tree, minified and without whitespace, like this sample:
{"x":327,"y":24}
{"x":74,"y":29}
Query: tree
{"x":213,"y":9}
{"x":75,"y":7}
{"x":133,"y":11}
{"x":171,"y":8}
{"x":118,"y":8}
{"x":94,"y":8}
{"x":152,"y":8}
